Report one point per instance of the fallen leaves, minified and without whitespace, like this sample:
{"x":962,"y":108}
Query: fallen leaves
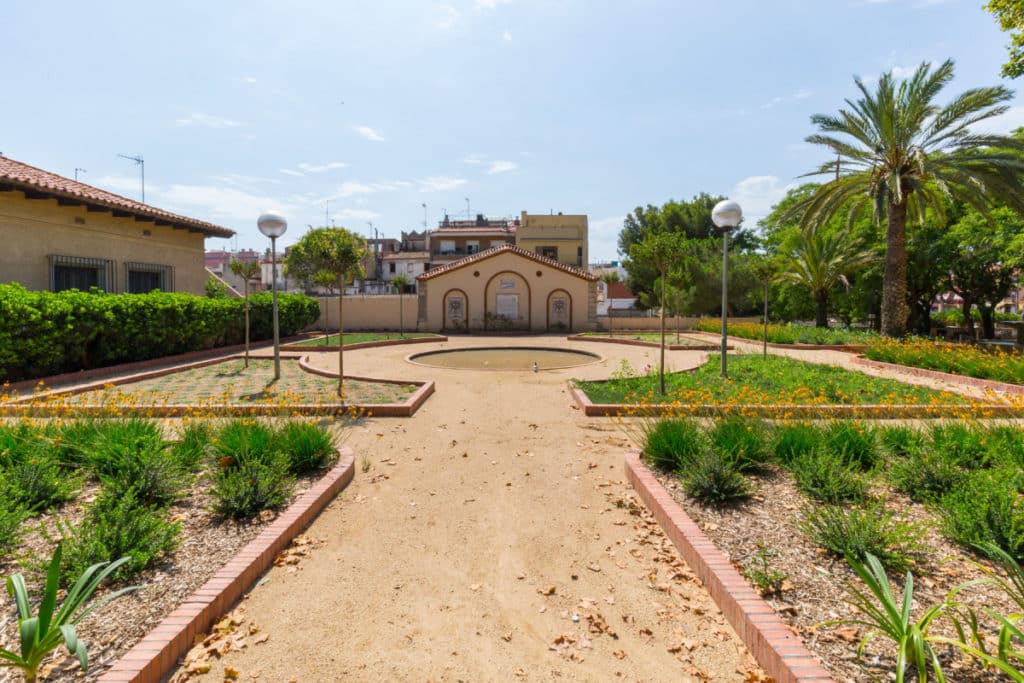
{"x":229,"y":634}
{"x":299,"y":548}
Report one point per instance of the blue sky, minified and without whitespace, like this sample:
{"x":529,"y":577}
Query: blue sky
{"x":367,"y":110}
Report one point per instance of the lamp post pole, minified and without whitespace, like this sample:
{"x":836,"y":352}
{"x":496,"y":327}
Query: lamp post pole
{"x":726,"y":215}
{"x":274,"y":225}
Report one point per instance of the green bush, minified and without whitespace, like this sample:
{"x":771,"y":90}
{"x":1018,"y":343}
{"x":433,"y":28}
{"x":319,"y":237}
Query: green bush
{"x":987,"y":508}
{"x":248,"y":487}
{"x":117,"y":526}
{"x":925,"y":475}
{"x":245,"y":441}
{"x":828,"y":477}
{"x":152,"y":474}
{"x":791,"y":440}
{"x":744,"y":439}
{"x":193,"y":445}
{"x":307,"y":447}
{"x":963,"y":444}
{"x":854,"y":442}
{"x":673,"y":443}
{"x":45,"y":333}
{"x":715,"y":478}
{"x":855,"y":532}
{"x":900,"y":440}
{"x":38,"y":482}
{"x":11,"y":519}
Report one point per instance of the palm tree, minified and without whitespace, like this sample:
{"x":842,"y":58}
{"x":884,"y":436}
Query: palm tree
{"x":400,"y":281}
{"x":247,"y":270}
{"x":898,"y":151}
{"x":822,"y":259}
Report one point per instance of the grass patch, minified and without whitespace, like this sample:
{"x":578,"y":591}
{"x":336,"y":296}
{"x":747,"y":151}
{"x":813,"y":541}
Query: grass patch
{"x":791,"y":334}
{"x":775,"y":380}
{"x":361,"y":337}
{"x":858,"y":531}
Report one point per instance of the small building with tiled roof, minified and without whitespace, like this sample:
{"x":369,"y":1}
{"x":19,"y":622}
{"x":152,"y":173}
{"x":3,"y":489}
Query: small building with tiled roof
{"x":507,"y":288}
{"x":63,"y":234}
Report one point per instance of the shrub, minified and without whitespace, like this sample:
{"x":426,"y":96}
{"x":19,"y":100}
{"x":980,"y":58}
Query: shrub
{"x":986,"y":508}
{"x":856,"y":532}
{"x":248,"y":487}
{"x":742,"y":438}
{"x":38,"y":482}
{"x":715,"y":478}
{"x":44,"y":333}
{"x":11,"y":519}
{"x":115,"y":442}
{"x":152,"y":474}
{"x":827,"y":477}
{"x":194,"y":444}
{"x":244,"y":441}
{"x":792,"y":440}
{"x":925,"y":475}
{"x":1005,"y":446}
{"x":900,"y":440}
{"x":855,"y":442}
{"x":963,"y":444}
{"x":116,"y":526}
{"x":673,"y":443}
{"x":307,"y":447}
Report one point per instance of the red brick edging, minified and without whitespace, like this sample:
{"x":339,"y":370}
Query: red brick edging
{"x":156,"y":655}
{"x":936,"y":374}
{"x":778,"y":650}
{"x":371,"y":344}
{"x":640,"y":342}
{"x":876,"y":412}
{"x":405,"y":409}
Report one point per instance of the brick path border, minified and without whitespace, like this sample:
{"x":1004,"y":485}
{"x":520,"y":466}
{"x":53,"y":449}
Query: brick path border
{"x":874,"y":412}
{"x":778,"y":650}
{"x":368,"y":345}
{"x":639,"y":342}
{"x":156,"y":655}
{"x":912,"y":371}
{"x":848,"y":348}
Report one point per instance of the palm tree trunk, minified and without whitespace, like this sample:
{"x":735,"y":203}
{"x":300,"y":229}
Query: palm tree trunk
{"x":341,"y":340}
{"x":894,"y":282}
{"x":661,"y":365}
{"x":821,"y":308}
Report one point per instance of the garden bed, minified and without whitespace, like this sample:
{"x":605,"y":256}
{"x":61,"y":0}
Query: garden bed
{"x":950,"y":358}
{"x":775,"y":386}
{"x":794,"y":336}
{"x":767,"y":532}
{"x":674,"y":342}
{"x":225,"y":387}
{"x":367,"y":340}
{"x":204,"y":542}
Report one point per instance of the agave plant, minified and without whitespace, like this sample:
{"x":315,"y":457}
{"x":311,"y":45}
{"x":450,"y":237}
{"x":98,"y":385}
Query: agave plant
{"x":42,"y":633}
{"x":884,"y":616}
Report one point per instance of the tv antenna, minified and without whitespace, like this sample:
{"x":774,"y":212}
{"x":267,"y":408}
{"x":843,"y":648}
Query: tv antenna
{"x":141,"y":163}
{"x":77,"y":169}
{"x":469,"y":215}
{"x":424,"y":215}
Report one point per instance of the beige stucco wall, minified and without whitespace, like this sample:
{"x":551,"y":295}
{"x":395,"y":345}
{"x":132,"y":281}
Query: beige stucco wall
{"x":566,"y":232}
{"x":32,"y":229}
{"x":482,"y":282}
{"x":377,"y":312}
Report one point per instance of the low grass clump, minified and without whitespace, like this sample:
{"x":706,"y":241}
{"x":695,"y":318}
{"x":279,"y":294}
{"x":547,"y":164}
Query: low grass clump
{"x":742,"y":440}
{"x":986,"y":508}
{"x":858,"y":531}
{"x":827,"y":477}
{"x":775,"y":380}
{"x":671,"y":444}
{"x":958,"y":359}
{"x":715,"y":478}
{"x":790,"y":334}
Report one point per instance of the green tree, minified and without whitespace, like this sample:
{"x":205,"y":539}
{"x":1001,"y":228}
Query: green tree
{"x":822,"y":259}
{"x":400,"y":282}
{"x":327,"y":281}
{"x":665,"y":252}
{"x":766,"y":271}
{"x":898,"y":151}
{"x":247,"y":270}
{"x":1010,"y":14}
{"x":339,"y":252}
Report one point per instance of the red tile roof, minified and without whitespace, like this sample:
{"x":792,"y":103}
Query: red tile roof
{"x":37,"y":183}
{"x":508,"y":248}
{"x":619,"y":290}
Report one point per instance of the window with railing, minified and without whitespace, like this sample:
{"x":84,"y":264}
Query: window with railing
{"x":142,"y":278}
{"x":76,"y":272}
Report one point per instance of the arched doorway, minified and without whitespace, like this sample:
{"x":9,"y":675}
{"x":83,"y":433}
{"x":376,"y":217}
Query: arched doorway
{"x":559,"y":311}
{"x":507,"y":302}
{"x":456,"y":310}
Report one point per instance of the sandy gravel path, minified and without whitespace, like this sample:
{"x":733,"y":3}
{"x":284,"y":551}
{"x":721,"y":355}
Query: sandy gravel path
{"x":436,"y":560}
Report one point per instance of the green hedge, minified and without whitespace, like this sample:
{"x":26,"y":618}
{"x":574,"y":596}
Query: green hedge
{"x":45,"y":333}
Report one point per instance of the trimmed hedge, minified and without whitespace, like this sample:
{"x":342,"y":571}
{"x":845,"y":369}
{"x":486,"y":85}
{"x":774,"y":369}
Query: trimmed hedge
{"x":46,"y":333}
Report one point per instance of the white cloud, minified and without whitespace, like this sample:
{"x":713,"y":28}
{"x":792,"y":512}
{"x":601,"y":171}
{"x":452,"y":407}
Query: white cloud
{"x":356,"y":215}
{"x":249,"y":79}
{"x":774,"y":101}
{"x":207,"y":121}
{"x":491,"y":4}
{"x":439,"y":183}
{"x":903,"y":71}
{"x":803,"y":94}
{"x":507,"y":36}
{"x":369,"y":133}
{"x":757,"y":194}
{"x":288,"y":171}
{"x":473,"y":159}
{"x":501,"y":167}
{"x":1003,"y":125}
{"x":604,"y":238}
{"x":128,"y":186}
{"x":240,"y":180}
{"x":320,"y":168}
{"x":348,"y":189}
{"x":449,"y":17}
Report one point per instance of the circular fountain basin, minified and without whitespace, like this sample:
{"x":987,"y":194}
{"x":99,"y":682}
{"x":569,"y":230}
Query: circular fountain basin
{"x":505,"y":358}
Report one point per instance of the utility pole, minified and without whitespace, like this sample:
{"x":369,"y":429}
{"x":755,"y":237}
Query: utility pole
{"x":141,"y":163}
{"x":77,"y":170}
{"x":424,"y":215}
{"x":327,"y":209}
{"x":469,"y":214}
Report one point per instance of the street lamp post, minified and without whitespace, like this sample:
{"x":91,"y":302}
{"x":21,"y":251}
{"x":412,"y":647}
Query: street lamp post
{"x":273,"y":225}
{"x":726,"y":215}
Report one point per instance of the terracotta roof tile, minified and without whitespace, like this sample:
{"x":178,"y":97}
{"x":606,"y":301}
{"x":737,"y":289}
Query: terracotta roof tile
{"x":508,"y":248}
{"x":23,"y":177}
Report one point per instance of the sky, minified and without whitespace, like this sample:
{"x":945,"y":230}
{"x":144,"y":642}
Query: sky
{"x":358,"y":113}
